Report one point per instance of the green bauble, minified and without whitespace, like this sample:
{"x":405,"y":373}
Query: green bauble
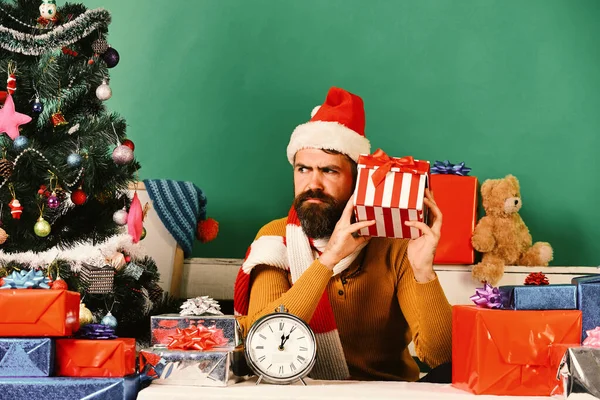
{"x":42,"y":227}
{"x":143,"y":233}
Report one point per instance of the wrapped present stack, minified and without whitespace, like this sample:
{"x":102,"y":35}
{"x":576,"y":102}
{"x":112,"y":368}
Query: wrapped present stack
{"x":390,"y":191}
{"x":524,"y":340}
{"x":196,"y":347}
{"x":45,"y":354}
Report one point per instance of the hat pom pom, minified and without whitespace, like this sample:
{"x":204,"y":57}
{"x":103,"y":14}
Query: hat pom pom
{"x":314,"y":111}
{"x":207,"y":230}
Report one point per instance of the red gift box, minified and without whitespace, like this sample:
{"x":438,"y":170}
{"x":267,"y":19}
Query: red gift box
{"x":95,"y":358}
{"x":508,"y":352}
{"x":456,"y":196}
{"x":390,"y":191}
{"x":38,"y":312}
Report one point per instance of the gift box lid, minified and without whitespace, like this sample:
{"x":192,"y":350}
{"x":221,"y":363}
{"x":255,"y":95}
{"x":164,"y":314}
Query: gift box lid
{"x":578,"y":280}
{"x":12,"y":300}
{"x":542,"y":297}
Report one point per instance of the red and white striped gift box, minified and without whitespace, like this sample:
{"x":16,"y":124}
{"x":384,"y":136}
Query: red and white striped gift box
{"x":393,"y":196}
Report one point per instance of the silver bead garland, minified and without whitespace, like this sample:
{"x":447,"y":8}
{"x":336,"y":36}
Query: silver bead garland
{"x":23,"y":23}
{"x":70,"y":185}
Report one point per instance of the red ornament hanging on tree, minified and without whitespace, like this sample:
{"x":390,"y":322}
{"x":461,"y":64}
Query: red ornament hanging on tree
{"x":78,"y":197}
{"x":60,"y":284}
{"x":129,"y":144}
{"x":16,"y":209}
{"x":58,"y":119}
{"x":11,"y":84}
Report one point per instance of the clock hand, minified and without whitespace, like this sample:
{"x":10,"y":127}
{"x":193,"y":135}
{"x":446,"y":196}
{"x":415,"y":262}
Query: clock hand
{"x":282,"y":341}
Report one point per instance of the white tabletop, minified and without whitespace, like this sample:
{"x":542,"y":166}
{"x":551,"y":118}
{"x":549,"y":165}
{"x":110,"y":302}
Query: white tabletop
{"x":326,"y":390}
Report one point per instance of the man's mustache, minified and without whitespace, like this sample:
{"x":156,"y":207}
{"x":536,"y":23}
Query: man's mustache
{"x":314,"y":194}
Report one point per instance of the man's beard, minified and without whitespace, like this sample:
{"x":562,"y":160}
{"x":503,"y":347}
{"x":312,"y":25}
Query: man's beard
{"x":318,"y":219}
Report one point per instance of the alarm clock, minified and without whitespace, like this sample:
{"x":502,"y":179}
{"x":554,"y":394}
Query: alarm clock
{"x":280,"y":348}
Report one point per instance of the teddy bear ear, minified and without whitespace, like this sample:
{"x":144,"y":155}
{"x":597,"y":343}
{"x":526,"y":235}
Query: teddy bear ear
{"x":513,"y":181}
{"x":487,"y":186}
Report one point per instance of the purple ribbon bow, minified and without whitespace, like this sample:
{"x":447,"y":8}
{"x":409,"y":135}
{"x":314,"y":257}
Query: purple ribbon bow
{"x":96,"y":331}
{"x":487,"y":296}
{"x":448,"y":168}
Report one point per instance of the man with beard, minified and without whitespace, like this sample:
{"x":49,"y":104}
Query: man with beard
{"x":365,"y":298}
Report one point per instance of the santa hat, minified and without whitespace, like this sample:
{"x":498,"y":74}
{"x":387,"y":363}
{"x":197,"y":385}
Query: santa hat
{"x":338,"y":124}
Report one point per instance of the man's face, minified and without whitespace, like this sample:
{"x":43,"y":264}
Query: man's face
{"x":323,"y":184}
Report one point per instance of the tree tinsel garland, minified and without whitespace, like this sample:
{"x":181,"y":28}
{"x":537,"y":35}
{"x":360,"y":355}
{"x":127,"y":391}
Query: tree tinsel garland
{"x":64,"y":35}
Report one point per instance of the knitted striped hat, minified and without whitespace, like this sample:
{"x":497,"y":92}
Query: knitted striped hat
{"x":181,"y":206}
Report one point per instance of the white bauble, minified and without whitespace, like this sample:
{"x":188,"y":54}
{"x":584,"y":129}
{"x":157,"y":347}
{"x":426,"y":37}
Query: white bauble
{"x":104,"y":92}
{"x":120,"y":217}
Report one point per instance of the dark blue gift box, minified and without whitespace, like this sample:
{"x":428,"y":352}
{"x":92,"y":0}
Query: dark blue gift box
{"x":26,"y":357}
{"x":70,"y":388}
{"x":542,"y":297}
{"x":588,"y":301}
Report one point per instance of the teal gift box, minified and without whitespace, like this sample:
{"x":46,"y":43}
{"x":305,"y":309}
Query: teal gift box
{"x":588,"y":301}
{"x":542,"y":297}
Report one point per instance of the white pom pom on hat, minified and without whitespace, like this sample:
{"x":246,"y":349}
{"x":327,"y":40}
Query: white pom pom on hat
{"x":338,"y":124}
{"x":314,"y":111}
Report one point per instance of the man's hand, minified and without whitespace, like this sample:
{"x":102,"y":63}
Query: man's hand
{"x":422,"y":250}
{"x":342,"y":242}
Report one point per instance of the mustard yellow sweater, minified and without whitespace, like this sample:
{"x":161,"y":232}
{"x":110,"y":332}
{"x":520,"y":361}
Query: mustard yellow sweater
{"x":379,"y":308}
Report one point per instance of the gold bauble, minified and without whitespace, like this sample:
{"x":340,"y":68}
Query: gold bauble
{"x":85,"y":315}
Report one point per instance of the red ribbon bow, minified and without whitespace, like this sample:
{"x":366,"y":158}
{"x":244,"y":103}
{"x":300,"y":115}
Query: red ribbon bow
{"x":197,"y":338}
{"x":386,"y":163}
{"x":536,"y":278}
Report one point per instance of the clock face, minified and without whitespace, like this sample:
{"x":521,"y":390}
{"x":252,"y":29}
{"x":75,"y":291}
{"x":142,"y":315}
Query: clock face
{"x":281,"y":348}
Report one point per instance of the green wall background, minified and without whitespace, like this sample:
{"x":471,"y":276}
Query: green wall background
{"x":212,"y":90}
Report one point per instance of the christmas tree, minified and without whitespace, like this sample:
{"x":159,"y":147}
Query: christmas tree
{"x":66,"y":167}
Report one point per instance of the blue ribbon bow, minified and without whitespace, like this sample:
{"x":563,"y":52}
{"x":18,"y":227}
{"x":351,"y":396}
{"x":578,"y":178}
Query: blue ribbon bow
{"x":448,"y":168}
{"x":26,"y":279}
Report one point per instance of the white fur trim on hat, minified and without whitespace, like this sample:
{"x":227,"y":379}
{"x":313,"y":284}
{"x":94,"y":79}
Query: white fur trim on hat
{"x":327,"y":135}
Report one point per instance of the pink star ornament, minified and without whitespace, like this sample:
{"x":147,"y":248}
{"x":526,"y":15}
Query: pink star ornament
{"x":10,"y":119}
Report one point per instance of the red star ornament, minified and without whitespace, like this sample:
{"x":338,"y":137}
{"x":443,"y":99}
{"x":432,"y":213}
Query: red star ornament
{"x":10,"y":119}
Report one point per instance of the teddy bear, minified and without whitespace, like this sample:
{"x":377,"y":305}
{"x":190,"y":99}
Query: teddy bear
{"x":501,"y":235}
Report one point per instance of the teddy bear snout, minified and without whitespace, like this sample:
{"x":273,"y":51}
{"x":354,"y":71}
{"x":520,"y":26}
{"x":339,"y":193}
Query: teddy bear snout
{"x":512,"y":205}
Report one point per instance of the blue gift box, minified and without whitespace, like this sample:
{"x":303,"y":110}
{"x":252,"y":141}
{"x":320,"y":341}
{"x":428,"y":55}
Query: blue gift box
{"x":588,"y":301}
{"x":26,"y":357}
{"x":542,"y":297}
{"x":70,"y":388}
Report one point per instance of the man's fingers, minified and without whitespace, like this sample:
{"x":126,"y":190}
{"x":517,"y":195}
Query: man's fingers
{"x":347,"y":214}
{"x":355,"y":227}
{"x":423,"y":227}
{"x":437,"y":215}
